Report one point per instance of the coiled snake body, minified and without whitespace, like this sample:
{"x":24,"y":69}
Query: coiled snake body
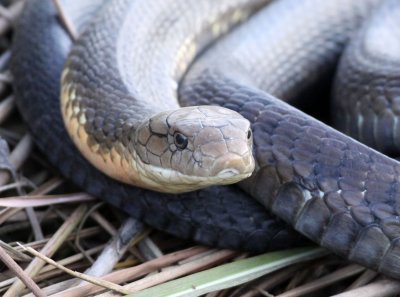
{"x":331,"y":188}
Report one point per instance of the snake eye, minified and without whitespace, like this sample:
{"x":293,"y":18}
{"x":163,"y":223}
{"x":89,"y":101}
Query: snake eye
{"x":248,"y":134}
{"x":181,"y":141}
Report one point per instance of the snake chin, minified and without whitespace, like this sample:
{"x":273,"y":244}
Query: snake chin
{"x":171,"y":181}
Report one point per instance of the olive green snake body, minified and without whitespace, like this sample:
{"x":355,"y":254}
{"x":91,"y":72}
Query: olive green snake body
{"x":329,"y":187}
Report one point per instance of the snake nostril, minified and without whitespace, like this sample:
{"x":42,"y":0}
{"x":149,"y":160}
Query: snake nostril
{"x":232,"y":164}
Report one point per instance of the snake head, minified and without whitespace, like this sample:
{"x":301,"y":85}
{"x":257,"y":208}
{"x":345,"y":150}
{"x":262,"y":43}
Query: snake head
{"x":194,"y":147}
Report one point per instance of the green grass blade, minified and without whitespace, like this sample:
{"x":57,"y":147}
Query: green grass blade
{"x":231,"y":274}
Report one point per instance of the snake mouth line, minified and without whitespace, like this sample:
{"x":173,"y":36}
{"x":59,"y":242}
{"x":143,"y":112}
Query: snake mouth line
{"x":228,"y":172}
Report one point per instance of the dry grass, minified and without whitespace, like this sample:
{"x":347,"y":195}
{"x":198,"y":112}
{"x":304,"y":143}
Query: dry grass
{"x":42,"y":217}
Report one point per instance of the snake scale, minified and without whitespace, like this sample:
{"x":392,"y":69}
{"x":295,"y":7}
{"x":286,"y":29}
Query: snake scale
{"x":329,"y":187}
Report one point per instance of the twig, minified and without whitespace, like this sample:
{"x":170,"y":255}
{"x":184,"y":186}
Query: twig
{"x":270,"y":281}
{"x":50,"y":248}
{"x":363,"y":279}
{"x":149,"y":249}
{"x":5,"y":13}
{"x":6,"y":77}
{"x":17,"y":185}
{"x":7,"y":260}
{"x":382,"y":288}
{"x":91,"y":231}
{"x":44,"y":200}
{"x":6,"y":213}
{"x":80,"y":226}
{"x":5,"y":58}
{"x":13,"y":11}
{"x":35,"y":225}
{"x":14,"y":253}
{"x":6,"y":107}
{"x":106,"y":225}
{"x":127,"y":274}
{"x":215,"y":258}
{"x":66,"y":21}
{"x":91,"y":279}
{"x":74,"y":259}
{"x":21,"y":151}
{"x":116,"y":248}
{"x":18,"y":156}
{"x":323,"y":281}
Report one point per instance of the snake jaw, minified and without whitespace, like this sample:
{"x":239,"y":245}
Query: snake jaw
{"x":232,"y":165}
{"x":226,"y":173}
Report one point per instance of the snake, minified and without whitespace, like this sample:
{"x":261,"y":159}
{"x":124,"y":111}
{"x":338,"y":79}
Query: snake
{"x":327,"y":186}
{"x":220,"y":216}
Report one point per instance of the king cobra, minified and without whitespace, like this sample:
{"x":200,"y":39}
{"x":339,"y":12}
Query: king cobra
{"x":329,"y":187}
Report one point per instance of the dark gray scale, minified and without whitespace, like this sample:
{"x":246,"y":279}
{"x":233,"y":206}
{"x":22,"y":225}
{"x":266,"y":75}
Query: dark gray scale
{"x":367,"y":87}
{"x":346,"y":195}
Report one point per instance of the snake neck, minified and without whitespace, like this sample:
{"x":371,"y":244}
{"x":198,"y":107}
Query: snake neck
{"x":118,"y":81}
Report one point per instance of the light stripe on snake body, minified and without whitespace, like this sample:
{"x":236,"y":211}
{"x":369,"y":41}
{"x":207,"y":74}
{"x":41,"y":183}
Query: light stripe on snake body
{"x":322,"y":182}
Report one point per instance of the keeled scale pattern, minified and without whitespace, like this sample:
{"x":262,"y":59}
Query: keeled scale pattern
{"x":367,"y":87}
{"x":334,"y":190}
